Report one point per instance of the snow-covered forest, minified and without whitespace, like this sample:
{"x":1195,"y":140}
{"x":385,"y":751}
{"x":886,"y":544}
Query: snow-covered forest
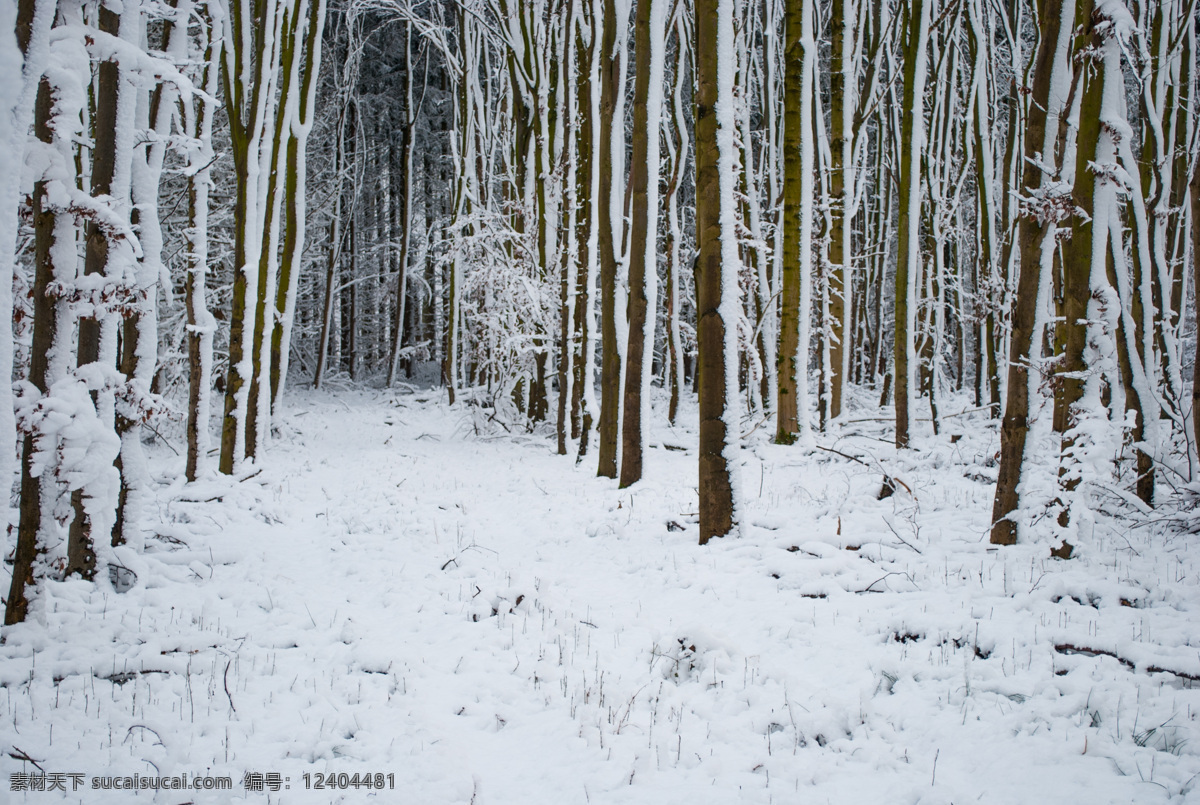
{"x":694,"y":401}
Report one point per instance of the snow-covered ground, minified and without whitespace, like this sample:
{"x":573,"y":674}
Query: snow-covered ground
{"x":404,"y":591}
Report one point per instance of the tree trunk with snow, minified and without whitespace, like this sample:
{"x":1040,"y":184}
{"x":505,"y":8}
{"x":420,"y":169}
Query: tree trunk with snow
{"x":139,"y":337}
{"x":610,"y":236}
{"x":678,"y":144}
{"x":843,"y":76}
{"x":198,"y":123}
{"x":583,"y":383}
{"x":52,"y":231}
{"x":109,"y":116}
{"x":1078,"y":255}
{"x":249,"y":72}
{"x":908,"y":265}
{"x":649,"y":42}
{"x":295,"y":201}
{"x":258,"y":401}
{"x":571,"y":232}
{"x":716,"y":266}
{"x":796,"y":221}
{"x":1036,"y":223}
{"x":1194,"y":198}
{"x":25,"y":25}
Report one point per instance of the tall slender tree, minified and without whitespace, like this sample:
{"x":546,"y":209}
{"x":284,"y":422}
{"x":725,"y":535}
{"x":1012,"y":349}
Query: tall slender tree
{"x":34,"y":19}
{"x":797,"y":219}
{"x":611,"y":231}
{"x":908,"y":265}
{"x":717,"y":265}
{"x":649,"y":46}
{"x":1037,"y":224}
{"x":197,"y":117}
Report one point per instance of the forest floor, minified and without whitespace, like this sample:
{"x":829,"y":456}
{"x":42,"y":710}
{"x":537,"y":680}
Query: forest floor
{"x":407,"y":591}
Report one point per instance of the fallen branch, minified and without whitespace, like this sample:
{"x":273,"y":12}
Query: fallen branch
{"x":892,"y":528}
{"x":886,"y":477}
{"x":21,"y":754}
{"x":987,"y":407}
{"x":868,"y":588}
{"x":129,"y":732}
{"x":1071,"y":648}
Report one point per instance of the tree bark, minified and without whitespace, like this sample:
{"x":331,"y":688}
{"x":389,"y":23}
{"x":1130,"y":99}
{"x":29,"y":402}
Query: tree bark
{"x":908,"y":263}
{"x":408,"y":140}
{"x":643,"y":252}
{"x":842,"y":75}
{"x":200,"y":322}
{"x":1077,"y":256}
{"x":610,"y":229}
{"x":1194,"y":197}
{"x":295,"y":198}
{"x":796,"y":221}
{"x":677,"y":149}
{"x":245,"y":109}
{"x":715,"y":265}
{"x":1032,"y":231}
{"x":49,"y":228}
{"x":81,"y":555}
{"x":588,"y":219}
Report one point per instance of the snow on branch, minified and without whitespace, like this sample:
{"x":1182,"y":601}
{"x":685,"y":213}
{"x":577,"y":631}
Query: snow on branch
{"x":1113,"y":20}
{"x":104,"y":46}
{"x":1050,"y":203}
{"x":109,"y":297}
{"x":97,"y":210}
{"x":68,"y":433}
{"x":1110,"y":173}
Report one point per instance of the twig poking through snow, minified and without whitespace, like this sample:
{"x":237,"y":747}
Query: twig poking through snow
{"x":887,"y":476}
{"x":894,"y":531}
{"x":147,"y":729}
{"x":227,"y":694}
{"x":21,"y":754}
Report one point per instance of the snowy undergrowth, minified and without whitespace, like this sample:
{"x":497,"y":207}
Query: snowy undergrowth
{"x":402,"y":592}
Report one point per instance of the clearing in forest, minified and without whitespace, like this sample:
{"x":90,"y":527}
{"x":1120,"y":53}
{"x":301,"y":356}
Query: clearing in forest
{"x":405,"y":590}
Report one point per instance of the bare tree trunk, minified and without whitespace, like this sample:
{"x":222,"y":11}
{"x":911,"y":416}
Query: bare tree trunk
{"x":716,"y":265}
{"x":34,"y":19}
{"x":986,"y":265}
{"x":295,"y":212}
{"x":139,"y":342}
{"x":589,"y":214}
{"x":568,"y":236}
{"x":248,"y":73}
{"x":335,"y":251}
{"x":908,"y":264}
{"x":649,"y":36}
{"x":677,"y":148}
{"x":610,"y":230}
{"x":842,"y":78}
{"x":796,"y":221}
{"x":1179,"y":186}
{"x":1071,"y":329}
{"x":996,"y":326}
{"x":258,"y":403}
{"x":81,"y":555}
{"x":349,"y":299}
{"x":201,"y":323}
{"x":1033,"y":229}
{"x":406,"y":199}
{"x":1194,"y":197}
